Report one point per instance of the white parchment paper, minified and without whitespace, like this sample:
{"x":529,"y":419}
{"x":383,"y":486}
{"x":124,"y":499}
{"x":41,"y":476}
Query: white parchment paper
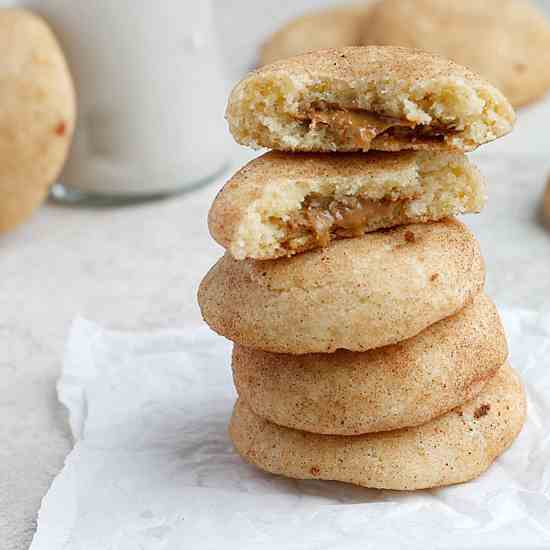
{"x":153,"y":468}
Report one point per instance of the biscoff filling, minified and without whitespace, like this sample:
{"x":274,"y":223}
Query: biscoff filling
{"x":358,"y":128}
{"x":325,"y":218}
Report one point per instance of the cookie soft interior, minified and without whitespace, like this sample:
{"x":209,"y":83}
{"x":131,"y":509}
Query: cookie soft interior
{"x":348,"y":126}
{"x":291,"y":216}
{"x":288,"y":106}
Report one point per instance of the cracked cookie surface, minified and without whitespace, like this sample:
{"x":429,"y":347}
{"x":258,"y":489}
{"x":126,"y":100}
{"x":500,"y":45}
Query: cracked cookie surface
{"x":403,"y":385}
{"x":357,"y":294}
{"x":453,"y":448}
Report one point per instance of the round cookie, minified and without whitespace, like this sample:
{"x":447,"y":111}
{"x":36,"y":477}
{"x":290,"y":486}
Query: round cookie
{"x":328,"y":28}
{"x":357,"y":294}
{"x":404,"y":385}
{"x":37,"y":114}
{"x":454,"y":448}
{"x":505,"y":41}
{"x":367,"y":98}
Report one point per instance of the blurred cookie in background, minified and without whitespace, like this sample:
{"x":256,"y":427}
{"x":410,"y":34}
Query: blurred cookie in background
{"x":37,"y":114}
{"x":328,"y":28}
{"x":505,"y":41}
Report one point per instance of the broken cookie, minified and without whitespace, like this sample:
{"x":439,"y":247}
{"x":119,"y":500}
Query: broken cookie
{"x":358,"y":99}
{"x":282,"y":204}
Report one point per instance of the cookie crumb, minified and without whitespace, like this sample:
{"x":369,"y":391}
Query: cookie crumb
{"x":434,"y":277}
{"x":409,"y":237}
{"x":482,"y":411}
{"x":315,"y":471}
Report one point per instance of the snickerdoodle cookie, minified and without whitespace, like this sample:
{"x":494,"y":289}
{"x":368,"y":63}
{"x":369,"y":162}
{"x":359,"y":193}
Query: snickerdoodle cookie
{"x":281,"y":204}
{"x":357,"y":294}
{"x":452,"y":449}
{"x":505,"y":41}
{"x":328,"y":28}
{"x":357,"y":99}
{"x":407,"y":384}
{"x":37,"y":114}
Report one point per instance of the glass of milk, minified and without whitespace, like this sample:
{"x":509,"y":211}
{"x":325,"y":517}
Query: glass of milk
{"x":151,"y":96}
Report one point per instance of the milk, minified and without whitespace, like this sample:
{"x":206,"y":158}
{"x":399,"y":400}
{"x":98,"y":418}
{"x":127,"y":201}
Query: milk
{"x":150,"y":92}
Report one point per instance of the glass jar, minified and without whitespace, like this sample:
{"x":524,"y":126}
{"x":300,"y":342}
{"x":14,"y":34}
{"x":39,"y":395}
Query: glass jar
{"x":150,"y":97}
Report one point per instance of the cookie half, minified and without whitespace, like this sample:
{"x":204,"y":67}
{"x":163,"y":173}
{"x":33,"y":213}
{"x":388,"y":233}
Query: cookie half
{"x":37,"y":114}
{"x":454,"y":448}
{"x":505,"y":41}
{"x":281,"y":204}
{"x":357,"y":99}
{"x":403,"y":385}
{"x":357,"y":294}
{"x":329,"y":28}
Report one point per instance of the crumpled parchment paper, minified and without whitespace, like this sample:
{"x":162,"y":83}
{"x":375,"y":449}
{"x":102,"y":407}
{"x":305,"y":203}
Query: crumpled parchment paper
{"x":153,"y":468}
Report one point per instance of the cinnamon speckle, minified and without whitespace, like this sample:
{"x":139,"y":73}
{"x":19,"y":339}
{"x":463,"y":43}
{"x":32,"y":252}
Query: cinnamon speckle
{"x":61,"y":129}
{"x":483,"y":410}
{"x":520,"y":67}
{"x":434,"y":277}
{"x":409,"y":237}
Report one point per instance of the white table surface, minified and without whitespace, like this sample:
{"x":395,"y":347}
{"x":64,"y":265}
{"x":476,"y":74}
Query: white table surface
{"x":139,"y":267}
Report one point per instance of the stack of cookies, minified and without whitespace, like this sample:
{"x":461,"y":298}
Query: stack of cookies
{"x":365,"y":349}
